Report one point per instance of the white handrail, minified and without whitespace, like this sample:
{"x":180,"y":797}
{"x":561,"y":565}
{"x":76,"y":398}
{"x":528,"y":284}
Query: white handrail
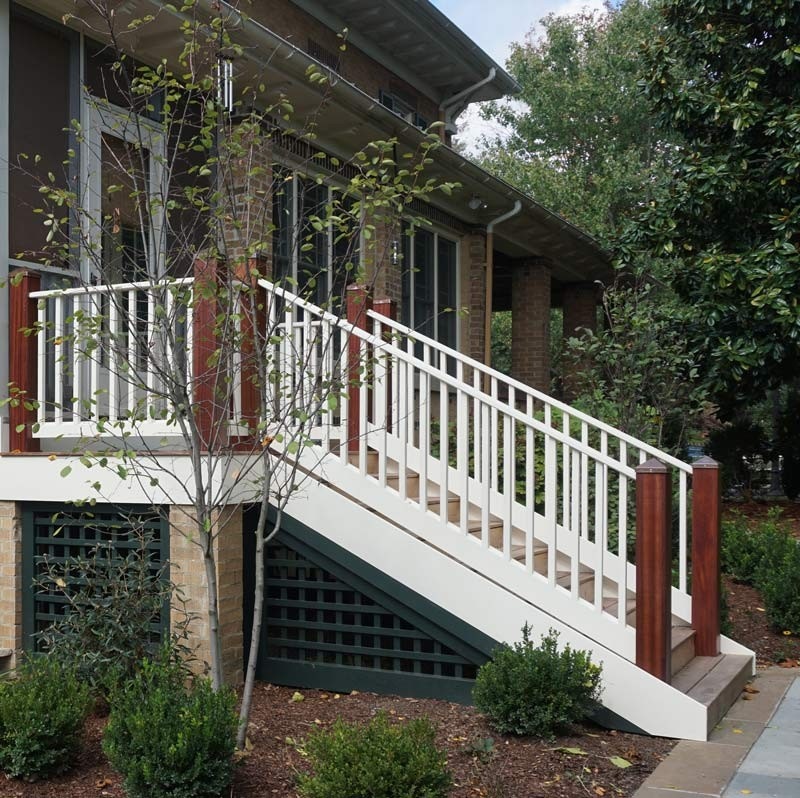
{"x":530,"y":391}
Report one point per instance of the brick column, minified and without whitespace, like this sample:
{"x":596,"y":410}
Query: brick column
{"x":475,"y":296}
{"x":580,"y":314}
{"x":247,"y":190}
{"x":383,"y":264}
{"x":189,"y":574}
{"x":580,"y":308}
{"x":530,"y":322}
{"x":10,"y":584}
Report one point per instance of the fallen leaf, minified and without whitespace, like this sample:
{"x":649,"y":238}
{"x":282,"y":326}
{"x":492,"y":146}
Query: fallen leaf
{"x":748,"y":688}
{"x":760,"y":609}
{"x":745,"y":792}
{"x":576,"y":751}
{"x":296,"y":697}
{"x":101,"y":783}
{"x":747,"y":697}
{"x":599,"y":790}
{"x":738,"y":731}
{"x":789,"y":663}
{"x":619,"y":762}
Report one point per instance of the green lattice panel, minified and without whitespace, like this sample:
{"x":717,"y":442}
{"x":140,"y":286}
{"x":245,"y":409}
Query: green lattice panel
{"x":314,"y":617}
{"x":59,"y":533}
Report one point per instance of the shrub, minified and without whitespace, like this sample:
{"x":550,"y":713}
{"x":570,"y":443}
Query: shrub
{"x":780,"y":586}
{"x":42,"y":710}
{"x":113,"y":600}
{"x":170,"y":740}
{"x":535,"y":690}
{"x":748,"y":551}
{"x":376,"y":760}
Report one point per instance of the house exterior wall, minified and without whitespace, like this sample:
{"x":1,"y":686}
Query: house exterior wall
{"x":297,"y":26}
{"x":10,"y":582}
{"x":187,"y":571}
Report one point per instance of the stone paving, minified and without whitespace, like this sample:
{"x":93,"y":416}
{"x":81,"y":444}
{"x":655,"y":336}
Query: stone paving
{"x":754,"y":751}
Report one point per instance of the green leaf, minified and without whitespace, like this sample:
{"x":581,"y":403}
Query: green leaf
{"x":619,"y":762}
{"x":66,"y":471}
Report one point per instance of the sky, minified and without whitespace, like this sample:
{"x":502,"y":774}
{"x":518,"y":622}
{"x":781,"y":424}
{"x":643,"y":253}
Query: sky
{"x":493,"y":25}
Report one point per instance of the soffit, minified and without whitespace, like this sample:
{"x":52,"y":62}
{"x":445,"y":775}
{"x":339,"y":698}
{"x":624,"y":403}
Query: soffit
{"x":413,"y":36}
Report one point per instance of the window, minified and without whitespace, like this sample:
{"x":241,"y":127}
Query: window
{"x":312,"y":253}
{"x":430,"y":285}
{"x":123,"y":153}
{"x":402,"y":107}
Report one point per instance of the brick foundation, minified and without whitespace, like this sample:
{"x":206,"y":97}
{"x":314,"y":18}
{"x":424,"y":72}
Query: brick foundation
{"x":530,"y":323}
{"x":188,"y":573}
{"x":10,"y":584}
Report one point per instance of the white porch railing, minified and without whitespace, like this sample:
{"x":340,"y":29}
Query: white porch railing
{"x":109,"y":358}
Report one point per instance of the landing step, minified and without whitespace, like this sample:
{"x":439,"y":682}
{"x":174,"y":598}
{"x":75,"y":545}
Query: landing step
{"x":715,"y":682}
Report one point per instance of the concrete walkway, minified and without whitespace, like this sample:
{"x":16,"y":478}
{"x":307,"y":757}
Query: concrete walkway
{"x":754,"y":751}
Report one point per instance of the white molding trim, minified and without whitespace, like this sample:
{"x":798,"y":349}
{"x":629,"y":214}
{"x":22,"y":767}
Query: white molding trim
{"x":5,"y":110}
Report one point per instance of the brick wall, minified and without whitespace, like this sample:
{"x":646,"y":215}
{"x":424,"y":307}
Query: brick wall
{"x":295,"y":25}
{"x":188,"y":573}
{"x":530,"y":323}
{"x":10,"y":582}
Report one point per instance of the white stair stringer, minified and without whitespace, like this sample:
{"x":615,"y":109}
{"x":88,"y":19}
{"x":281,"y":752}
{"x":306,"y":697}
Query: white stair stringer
{"x":496,"y":610}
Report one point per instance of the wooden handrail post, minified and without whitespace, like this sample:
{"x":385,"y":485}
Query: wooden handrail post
{"x":23,"y":359}
{"x":208,"y":380}
{"x":653,"y":569}
{"x":706,"y":556}
{"x":358,"y":305}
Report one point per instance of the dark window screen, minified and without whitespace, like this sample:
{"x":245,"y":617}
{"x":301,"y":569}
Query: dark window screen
{"x":40,"y":114}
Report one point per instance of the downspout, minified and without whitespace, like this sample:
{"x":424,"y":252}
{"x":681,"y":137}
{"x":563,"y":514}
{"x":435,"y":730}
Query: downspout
{"x":446,"y":105}
{"x":487,"y":318}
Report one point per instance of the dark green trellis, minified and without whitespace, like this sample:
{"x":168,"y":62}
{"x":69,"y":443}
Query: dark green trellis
{"x":60,"y":532}
{"x":334,"y":622}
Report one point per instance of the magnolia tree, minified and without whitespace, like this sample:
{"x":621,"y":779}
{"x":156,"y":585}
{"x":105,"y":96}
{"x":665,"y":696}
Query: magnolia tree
{"x":189,"y":330}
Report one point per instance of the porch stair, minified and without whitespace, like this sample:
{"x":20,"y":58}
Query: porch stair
{"x":715,"y":682}
{"x":493,"y":501}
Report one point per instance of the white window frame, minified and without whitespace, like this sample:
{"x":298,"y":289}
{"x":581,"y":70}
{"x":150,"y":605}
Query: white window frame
{"x":295,"y":242}
{"x":101,"y":117}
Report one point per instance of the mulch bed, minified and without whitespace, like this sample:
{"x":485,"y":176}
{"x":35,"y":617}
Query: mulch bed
{"x":746,"y":609}
{"x":515,"y":768}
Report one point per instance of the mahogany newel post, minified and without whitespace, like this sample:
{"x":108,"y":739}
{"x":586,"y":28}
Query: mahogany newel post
{"x":208,"y":378}
{"x":23,"y":358}
{"x":358,"y":305}
{"x":653,"y":568}
{"x":705,"y":556}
